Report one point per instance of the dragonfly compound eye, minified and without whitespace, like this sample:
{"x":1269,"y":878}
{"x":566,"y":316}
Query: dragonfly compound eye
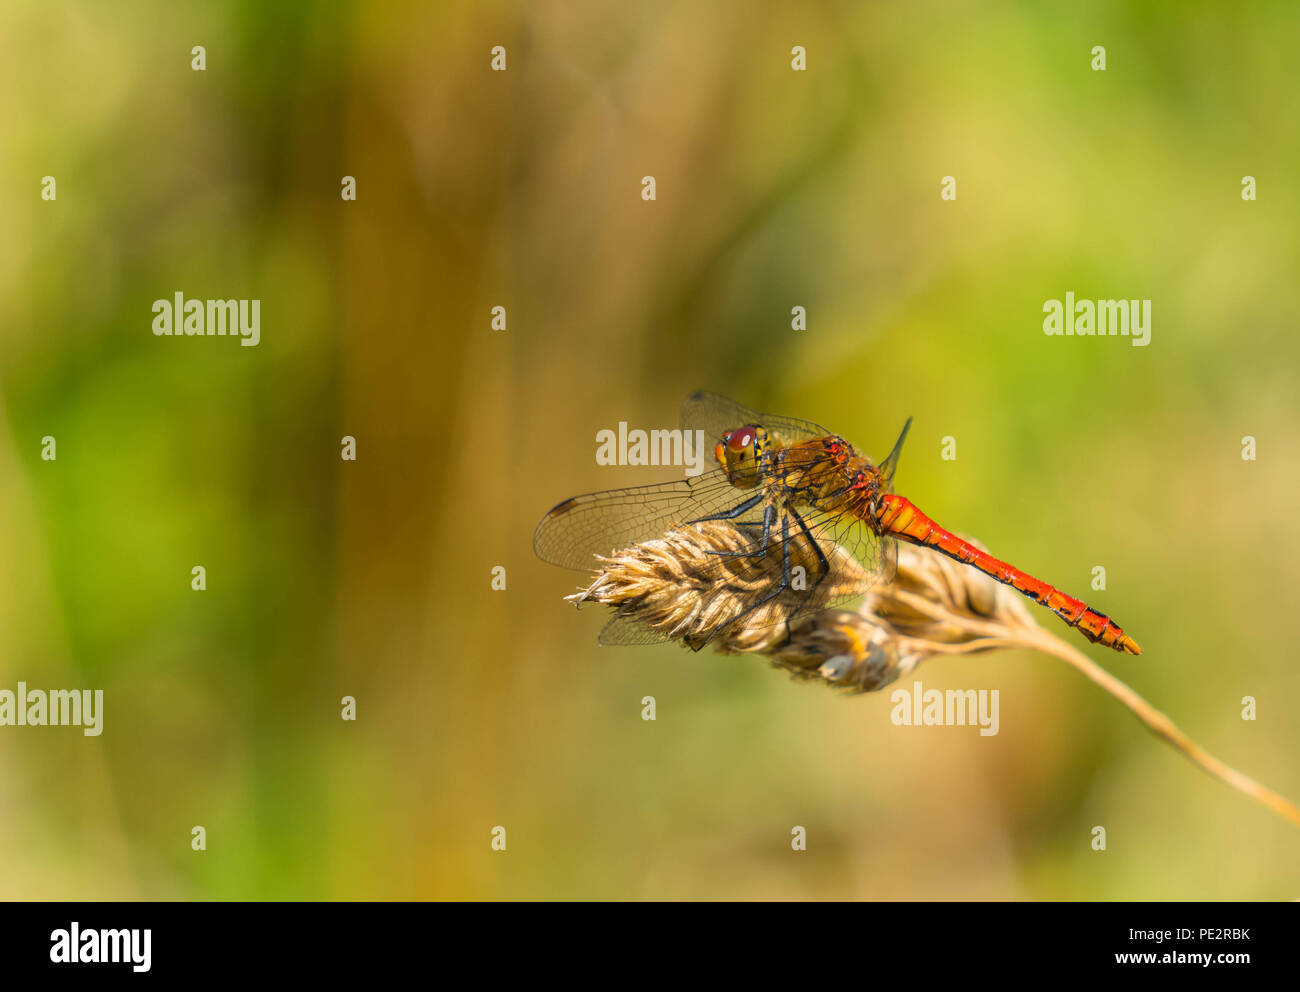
{"x":739,"y":440}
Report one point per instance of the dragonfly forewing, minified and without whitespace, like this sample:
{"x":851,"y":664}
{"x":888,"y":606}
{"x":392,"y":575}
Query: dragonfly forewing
{"x":578,"y":529}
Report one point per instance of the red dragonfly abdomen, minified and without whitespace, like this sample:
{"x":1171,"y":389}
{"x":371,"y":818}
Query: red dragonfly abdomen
{"x":897,"y":516}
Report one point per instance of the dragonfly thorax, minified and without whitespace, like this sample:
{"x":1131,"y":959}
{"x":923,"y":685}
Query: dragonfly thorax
{"x":829,"y":474}
{"x":740,"y":453}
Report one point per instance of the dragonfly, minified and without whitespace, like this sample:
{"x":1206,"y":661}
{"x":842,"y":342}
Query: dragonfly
{"x":798,"y":494}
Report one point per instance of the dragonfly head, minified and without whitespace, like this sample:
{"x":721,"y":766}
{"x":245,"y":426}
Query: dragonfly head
{"x":740,"y":453}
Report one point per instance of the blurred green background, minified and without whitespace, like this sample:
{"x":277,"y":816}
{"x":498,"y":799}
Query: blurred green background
{"x":775,"y":188}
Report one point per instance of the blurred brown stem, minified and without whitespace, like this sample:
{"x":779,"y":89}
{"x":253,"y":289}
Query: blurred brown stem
{"x":1158,"y":723}
{"x":1161,"y":725}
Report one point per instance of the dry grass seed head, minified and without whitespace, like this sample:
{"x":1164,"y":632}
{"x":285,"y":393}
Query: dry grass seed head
{"x":678,"y":586}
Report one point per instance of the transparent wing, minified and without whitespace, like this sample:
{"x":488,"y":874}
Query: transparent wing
{"x":890,"y":465}
{"x":627,"y":631}
{"x":576,"y":530}
{"x":715,"y":415}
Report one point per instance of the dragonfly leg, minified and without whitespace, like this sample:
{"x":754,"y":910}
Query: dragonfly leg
{"x":733,"y":513}
{"x":769,"y":511}
{"x":781,"y":587}
{"x":817,"y":550}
